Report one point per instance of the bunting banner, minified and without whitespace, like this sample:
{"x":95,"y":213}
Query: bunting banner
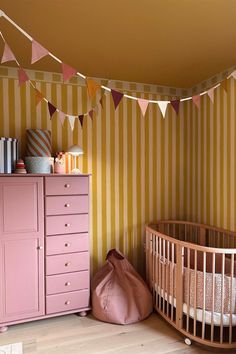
{"x":234,"y":74}
{"x":22,"y":76}
{"x":175,"y":105}
{"x":52,"y":109}
{"x":210,"y":93}
{"x":72,"y":122}
{"x":92,"y":87}
{"x":38,"y":97}
{"x":38,"y":52}
{"x":117,"y":97}
{"x":91,"y":114}
{"x":196,"y":100}
{"x":143,"y":104}
{"x":224,"y":85}
{"x":101,"y":101}
{"x":163,"y":106}
{"x":81,"y":119}
{"x":62,"y":117}
{"x":68,"y":72}
{"x":7,"y":55}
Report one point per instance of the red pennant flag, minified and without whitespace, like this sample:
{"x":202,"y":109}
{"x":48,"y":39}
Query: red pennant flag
{"x":224,"y":85}
{"x":81,"y":119}
{"x":7,"y":54}
{"x":175,"y":105}
{"x":67,"y":72}
{"x":22,"y":76}
{"x":38,"y":96}
{"x":52,"y":109}
{"x":38,"y":52}
{"x":196,"y":100}
{"x":117,"y":96}
{"x":91,"y":114}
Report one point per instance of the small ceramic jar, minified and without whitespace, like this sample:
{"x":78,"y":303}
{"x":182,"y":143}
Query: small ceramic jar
{"x":59,"y":168}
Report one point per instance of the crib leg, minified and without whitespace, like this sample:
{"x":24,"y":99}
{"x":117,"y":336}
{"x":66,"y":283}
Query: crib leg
{"x":82,"y":314}
{"x":187,"y":341}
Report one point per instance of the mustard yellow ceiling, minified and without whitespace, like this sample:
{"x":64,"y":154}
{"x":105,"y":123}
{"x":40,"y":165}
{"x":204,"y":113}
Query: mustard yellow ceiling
{"x":174,"y":43}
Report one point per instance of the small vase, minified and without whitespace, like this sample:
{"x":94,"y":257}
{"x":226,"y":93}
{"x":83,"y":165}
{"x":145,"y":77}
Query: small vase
{"x":59,"y":168}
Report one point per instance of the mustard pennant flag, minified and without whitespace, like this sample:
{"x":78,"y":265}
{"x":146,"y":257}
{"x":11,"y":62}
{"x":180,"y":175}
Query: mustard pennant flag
{"x":92,"y":86}
{"x":38,"y":97}
{"x":224,"y":85}
{"x":163,"y":106}
{"x":197,"y":100}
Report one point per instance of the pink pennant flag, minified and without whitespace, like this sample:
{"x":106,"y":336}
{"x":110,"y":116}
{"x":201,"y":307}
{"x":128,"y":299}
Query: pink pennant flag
{"x":163,"y":106}
{"x":117,"y":96}
{"x":52,"y":109}
{"x":175,"y":105}
{"x":72,"y":122}
{"x":7,"y":54}
{"x":38,"y":52}
{"x":22,"y":76}
{"x":91,"y":114}
{"x":197,"y":100}
{"x":62,"y":117}
{"x":67,"y":71}
{"x":143,"y":104}
{"x":210,"y":93}
{"x":81,"y":119}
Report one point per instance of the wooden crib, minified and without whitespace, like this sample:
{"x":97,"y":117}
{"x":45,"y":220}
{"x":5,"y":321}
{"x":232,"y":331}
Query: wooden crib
{"x":191,"y":271}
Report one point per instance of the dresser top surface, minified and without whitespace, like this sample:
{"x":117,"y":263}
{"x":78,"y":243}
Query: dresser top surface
{"x":43,"y":175}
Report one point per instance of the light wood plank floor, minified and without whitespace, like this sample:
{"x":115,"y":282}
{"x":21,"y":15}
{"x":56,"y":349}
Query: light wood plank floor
{"x":75,"y":335}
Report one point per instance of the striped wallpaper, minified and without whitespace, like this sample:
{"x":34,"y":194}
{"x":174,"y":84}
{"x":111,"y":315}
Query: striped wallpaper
{"x":143,"y":169}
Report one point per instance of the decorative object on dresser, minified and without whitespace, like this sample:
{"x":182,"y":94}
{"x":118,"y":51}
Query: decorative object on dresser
{"x":20,"y":167}
{"x":48,"y":243}
{"x":75,"y":151}
{"x":8,"y":154}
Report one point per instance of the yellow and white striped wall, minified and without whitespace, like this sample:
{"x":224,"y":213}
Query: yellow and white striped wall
{"x":143,"y":169}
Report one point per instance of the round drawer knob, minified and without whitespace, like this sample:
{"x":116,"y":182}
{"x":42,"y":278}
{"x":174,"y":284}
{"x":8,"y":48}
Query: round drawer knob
{"x":67,"y":225}
{"x":67,"y":205}
{"x":67,"y":264}
{"x":40,"y":247}
{"x":67,"y":283}
{"x":67,"y":302}
{"x":67,"y":185}
{"x":67,"y":244}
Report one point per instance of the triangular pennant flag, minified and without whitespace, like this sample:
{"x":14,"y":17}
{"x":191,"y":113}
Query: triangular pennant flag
{"x":62,"y":117}
{"x":81,"y":119}
{"x":210,"y":93}
{"x":7,"y":54}
{"x":175,"y":105}
{"x":72,"y":121}
{"x":22,"y":76}
{"x":196,"y":100}
{"x":91,"y":114}
{"x":117,"y":96}
{"x":38,"y":52}
{"x":67,"y":71}
{"x":101,"y":101}
{"x":143,"y":104}
{"x":224,"y":85}
{"x":92,"y":86}
{"x":163,"y":106}
{"x":52,"y":109}
{"x":234,"y":74}
{"x":38,"y":96}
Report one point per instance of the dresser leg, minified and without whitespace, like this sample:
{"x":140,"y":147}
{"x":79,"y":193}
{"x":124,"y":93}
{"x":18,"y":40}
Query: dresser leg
{"x":82,"y":313}
{"x":3,"y":329}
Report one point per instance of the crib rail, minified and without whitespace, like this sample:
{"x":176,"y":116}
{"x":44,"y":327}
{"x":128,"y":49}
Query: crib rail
{"x":191,"y":271}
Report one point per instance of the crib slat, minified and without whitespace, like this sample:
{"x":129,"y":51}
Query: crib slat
{"x":231,"y":298}
{"x":164,"y":274}
{"x":168,"y":276}
{"x":159,"y":282}
{"x":156,"y":271}
{"x":179,"y":285}
{"x":213,"y":296}
{"x":222,"y":297}
{"x":188,"y":286}
{"x":204,"y":295}
{"x":173,"y":275}
{"x":195,"y":292}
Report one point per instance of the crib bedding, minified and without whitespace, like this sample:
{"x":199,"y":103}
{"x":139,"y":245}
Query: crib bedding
{"x":200,"y":313}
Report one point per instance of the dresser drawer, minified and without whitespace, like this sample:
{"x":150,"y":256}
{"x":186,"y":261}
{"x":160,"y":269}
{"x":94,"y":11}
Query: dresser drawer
{"x":68,"y":224}
{"x":67,"y":301}
{"x":66,"y":185}
{"x":65,"y":263}
{"x":66,"y":244}
{"x":70,"y":204}
{"x":67,"y":282}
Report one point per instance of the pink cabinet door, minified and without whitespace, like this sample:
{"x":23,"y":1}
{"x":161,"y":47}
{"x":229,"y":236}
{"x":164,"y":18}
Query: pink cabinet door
{"x":21,"y":248}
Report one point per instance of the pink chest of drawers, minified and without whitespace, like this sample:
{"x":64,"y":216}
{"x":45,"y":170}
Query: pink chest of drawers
{"x":44,"y":247}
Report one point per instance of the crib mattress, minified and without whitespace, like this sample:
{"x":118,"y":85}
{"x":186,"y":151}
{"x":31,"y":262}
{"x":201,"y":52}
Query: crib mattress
{"x":226,"y":319}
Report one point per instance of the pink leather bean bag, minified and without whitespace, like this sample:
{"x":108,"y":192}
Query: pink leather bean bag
{"x":119,"y":294}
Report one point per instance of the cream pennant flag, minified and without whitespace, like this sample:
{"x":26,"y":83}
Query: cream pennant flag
{"x":234,"y":74}
{"x":72,"y":122}
{"x":210,"y":93}
{"x":163,"y":106}
{"x":8,"y":55}
{"x":38,"y":52}
{"x":197,"y":100}
{"x":62,"y":117}
{"x":143,"y":104}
